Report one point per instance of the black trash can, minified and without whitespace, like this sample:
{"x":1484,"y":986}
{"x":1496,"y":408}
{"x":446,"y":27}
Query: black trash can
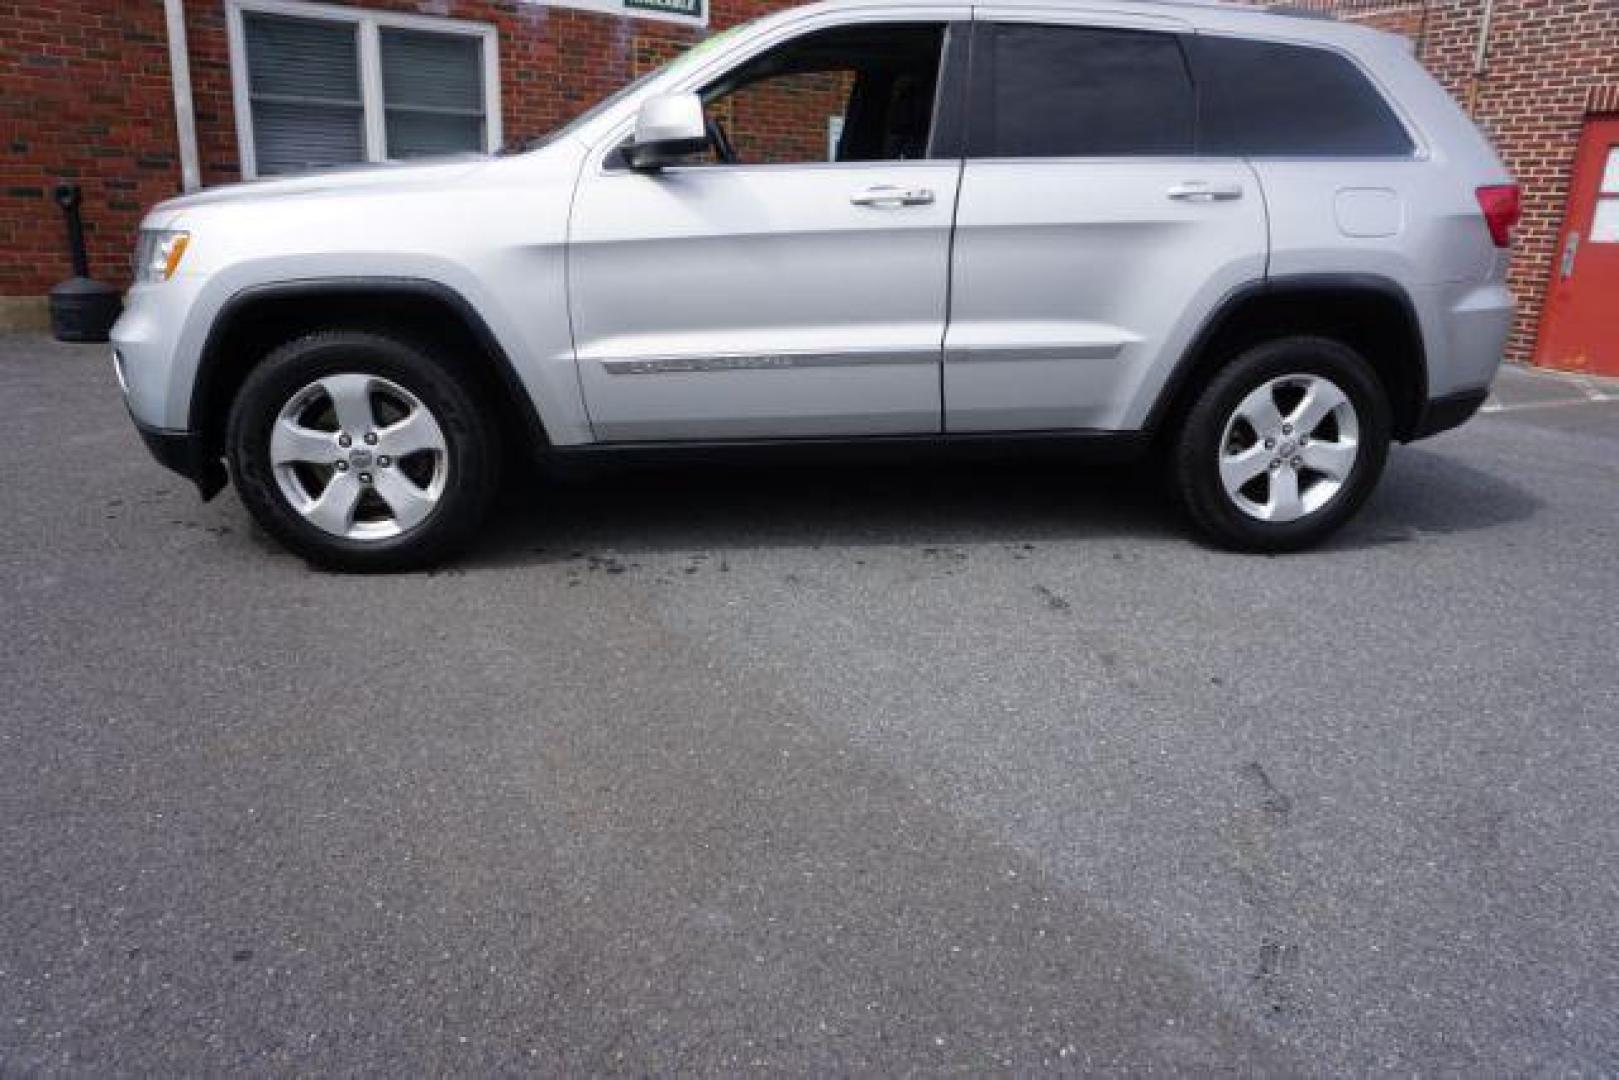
{"x":82,"y":310}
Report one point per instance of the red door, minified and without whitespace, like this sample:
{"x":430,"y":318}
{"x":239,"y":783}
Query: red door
{"x":1579,"y":329}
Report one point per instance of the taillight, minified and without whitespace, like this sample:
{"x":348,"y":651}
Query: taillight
{"x":1501,"y":203}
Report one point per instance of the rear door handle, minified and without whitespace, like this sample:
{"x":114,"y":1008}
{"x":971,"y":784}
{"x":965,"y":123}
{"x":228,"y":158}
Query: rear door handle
{"x":1203,"y":191}
{"x":892,"y":195}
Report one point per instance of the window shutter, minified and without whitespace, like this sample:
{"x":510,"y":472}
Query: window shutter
{"x":304,"y":86}
{"x":432,"y":90}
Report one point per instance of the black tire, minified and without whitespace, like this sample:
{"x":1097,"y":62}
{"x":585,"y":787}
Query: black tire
{"x":1195,"y":455}
{"x":471,"y":458}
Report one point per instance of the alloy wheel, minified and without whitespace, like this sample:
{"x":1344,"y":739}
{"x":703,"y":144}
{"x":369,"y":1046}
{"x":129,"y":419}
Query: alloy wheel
{"x":359,"y":456}
{"x":1289,"y":447}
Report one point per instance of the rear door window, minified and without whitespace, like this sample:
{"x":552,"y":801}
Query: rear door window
{"x":1072,"y":91}
{"x":1263,"y":98}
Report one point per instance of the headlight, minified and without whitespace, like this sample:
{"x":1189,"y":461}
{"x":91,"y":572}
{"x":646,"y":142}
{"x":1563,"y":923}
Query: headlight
{"x":158,"y":253}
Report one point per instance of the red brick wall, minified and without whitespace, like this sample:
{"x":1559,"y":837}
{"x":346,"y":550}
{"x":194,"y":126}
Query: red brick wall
{"x":84,"y":97}
{"x":554,"y":62}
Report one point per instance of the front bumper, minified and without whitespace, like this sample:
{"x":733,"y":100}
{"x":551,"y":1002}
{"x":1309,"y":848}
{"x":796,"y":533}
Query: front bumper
{"x":154,"y":359}
{"x":186,"y":453}
{"x":156,"y":343}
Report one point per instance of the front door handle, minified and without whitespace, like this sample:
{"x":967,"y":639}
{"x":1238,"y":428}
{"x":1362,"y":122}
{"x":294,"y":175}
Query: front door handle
{"x":892,"y":195}
{"x":1203,"y":191}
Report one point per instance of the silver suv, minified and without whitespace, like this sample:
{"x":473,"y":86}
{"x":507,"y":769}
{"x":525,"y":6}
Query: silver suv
{"x":1257,"y":244}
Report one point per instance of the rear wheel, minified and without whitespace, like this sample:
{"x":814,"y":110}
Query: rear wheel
{"x":362,"y":452}
{"x":1283,"y":445}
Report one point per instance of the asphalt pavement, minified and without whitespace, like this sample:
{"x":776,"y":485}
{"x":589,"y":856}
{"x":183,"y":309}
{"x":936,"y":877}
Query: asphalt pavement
{"x":844,"y":770}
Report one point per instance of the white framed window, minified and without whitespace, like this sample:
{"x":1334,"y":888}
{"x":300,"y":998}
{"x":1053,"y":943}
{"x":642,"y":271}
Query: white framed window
{"x":320,"y":85}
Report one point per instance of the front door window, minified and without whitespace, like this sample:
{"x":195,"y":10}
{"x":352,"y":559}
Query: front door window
{"x":852,"y":94}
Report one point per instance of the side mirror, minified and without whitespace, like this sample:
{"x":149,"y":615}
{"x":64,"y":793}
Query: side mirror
{"x":669,"y":127}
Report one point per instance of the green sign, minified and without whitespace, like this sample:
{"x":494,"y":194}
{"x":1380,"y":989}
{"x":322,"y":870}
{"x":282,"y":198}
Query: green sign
{"x":691,"y":9}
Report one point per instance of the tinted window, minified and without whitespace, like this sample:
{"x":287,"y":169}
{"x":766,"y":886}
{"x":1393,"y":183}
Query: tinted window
{"x":1262,"y":98}
{"x":1063,"y":91}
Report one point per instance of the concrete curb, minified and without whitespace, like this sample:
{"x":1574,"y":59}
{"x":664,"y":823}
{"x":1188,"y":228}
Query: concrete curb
{"x":24,"y":313}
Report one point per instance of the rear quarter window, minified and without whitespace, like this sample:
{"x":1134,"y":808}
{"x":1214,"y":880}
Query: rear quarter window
{"x":1262,"y":98}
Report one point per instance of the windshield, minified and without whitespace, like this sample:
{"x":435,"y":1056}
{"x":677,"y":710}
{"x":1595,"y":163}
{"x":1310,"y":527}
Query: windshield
{"x":691,"y":56}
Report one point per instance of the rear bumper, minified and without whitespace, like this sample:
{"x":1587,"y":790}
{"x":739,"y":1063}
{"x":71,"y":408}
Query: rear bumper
{"x":185,"y":453}
{"x":1448,"y":411}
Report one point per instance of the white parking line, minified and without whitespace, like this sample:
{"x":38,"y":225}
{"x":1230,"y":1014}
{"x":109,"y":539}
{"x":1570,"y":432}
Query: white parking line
{"x":1589,"y":389}
{"x":1582,"y":390}
{"x":1525,"y":406}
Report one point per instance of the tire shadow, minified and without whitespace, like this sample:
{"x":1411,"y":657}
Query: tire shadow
{"x":1427,"y":491}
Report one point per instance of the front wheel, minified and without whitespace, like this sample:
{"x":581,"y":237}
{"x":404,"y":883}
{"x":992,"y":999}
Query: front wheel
{"x":1282,"y":446}
{"x":362,"y":452}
